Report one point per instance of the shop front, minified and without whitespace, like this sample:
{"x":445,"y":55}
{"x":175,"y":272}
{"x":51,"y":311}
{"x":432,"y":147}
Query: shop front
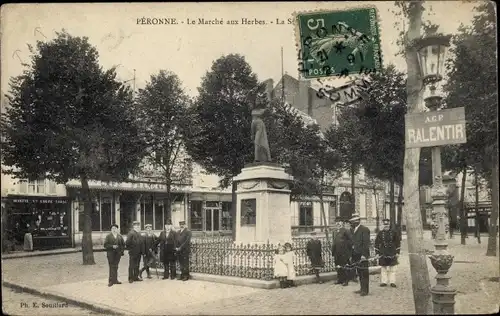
{"x":210,"y":213}
{"x":123,"y":203}
{"x":47,"y":218}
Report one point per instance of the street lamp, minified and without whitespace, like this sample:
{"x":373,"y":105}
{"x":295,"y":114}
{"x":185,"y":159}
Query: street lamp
{"x":431,"y":52}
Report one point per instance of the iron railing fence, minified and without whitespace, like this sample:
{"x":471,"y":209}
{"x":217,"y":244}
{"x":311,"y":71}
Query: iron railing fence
{"x":221,"y":256}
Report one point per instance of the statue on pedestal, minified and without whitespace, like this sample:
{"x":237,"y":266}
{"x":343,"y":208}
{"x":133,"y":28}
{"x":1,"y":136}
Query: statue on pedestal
{"x":259,"y":137}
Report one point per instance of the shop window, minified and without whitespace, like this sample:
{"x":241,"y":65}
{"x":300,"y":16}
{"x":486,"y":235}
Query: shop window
{"x":96,"y":216}
{"x":248,"y":212}
{"x":196,"y":215}
{"x":106,"y":213}
{"x":227,"y":223}
{"x":159,"y":220}
{"x":147,"y":209}
{"x":51,"y":219}
{"x":332,"y":211}
{"x":306,"y":216}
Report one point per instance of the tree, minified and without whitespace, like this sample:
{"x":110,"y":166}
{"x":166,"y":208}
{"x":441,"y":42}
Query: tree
{"x":219,"y":136}
{"x":475,"y":48}
{"x":299,"y":144}
{"x":418,"y":258}
{"x":349,"y":143}
{"x":70,"y":119}
{"x":162,"y":112}
{"x":381,"y":113}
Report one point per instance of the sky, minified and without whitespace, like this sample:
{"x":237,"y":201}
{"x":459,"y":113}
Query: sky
{"x":189,"y":50}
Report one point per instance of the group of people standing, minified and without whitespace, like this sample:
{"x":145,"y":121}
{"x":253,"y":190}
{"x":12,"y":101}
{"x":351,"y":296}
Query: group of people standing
{"x":173,"y":246}
{"x":351,"y":253}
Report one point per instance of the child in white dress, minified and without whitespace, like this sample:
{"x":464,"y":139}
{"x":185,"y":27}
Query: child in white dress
{"x":280,"y":269}
{"x":284,"y":268}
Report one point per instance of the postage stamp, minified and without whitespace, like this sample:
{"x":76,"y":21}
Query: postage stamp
{"x":338,"y":43}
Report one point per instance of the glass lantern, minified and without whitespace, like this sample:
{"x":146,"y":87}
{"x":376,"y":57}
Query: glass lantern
{"x":431,"y":53}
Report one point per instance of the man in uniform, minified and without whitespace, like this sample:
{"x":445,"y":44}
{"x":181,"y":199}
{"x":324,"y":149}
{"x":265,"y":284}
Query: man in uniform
{"x":114,"y":246}
{"x":135,"y":248}
{"x":361,"y":253}
{"x":183,"y":249}
{"x":387,"y":246}
{"x":341,"y":251}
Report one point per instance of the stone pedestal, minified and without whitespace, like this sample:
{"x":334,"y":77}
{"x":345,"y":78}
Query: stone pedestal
{"x":263,"y":212}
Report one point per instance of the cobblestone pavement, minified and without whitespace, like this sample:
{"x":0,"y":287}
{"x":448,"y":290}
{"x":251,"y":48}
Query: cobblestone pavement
{"x":19,"y":303}
{"x":470,"y":276}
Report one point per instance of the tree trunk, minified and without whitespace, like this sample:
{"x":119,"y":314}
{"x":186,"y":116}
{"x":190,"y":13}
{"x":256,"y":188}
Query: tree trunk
{"x":353,"y":189}
{"x":377,"y":215}
{"x":400,"y":211}
{"x":476,"y":218}
{"x":87,"y":247}
{"x":392,"y":206}
{"x":233,"y":209}
{"x":463,"y":211}
{"x":168,"y":202}
{"x":418,"y":259}
{"x":492,"y":238}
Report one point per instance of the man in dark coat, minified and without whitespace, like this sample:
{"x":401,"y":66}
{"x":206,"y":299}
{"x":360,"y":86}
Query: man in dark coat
{"x":341,"y":252}
{"x":183,"y":249}
{"x":114,"y":245}
{"x":149,"y":250}
{"x":313,"y":249}
{"x":361,"y":253}
{"x":168,"y":243}
{"x":135,"y":248}
{"x":387,"y":246}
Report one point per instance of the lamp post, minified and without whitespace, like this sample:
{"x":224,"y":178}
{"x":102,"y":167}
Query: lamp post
{"x":431,"y":51}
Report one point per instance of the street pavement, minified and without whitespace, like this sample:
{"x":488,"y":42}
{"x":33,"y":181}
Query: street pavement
{"x":18,"y":303}
{"x":65,"y":275}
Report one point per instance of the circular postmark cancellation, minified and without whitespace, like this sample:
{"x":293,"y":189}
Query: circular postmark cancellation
{"x":338,"y":43}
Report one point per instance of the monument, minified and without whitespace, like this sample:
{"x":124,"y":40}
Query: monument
{"x":263,"y":211}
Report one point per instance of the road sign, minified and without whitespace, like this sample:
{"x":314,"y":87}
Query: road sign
{"x":435,"y":128}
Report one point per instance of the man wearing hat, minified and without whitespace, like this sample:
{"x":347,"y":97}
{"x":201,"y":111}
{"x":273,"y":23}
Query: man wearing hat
{"x":341,"y":252}
{"x":114,"y":245}
{"x":183,"y":249}
{"x":313,"y":250}
{"x":168,"y":243}
{"x":149,"y":250}
{"x":387,"y":246}
{"x":134,"y":245}
{"x":361,"y":253}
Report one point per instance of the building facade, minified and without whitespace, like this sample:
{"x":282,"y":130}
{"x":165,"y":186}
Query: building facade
{"x":40,"y":207}
{"x":369,"y":195}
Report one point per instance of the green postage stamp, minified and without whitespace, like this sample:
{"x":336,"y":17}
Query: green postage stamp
{"x":338,"y":43}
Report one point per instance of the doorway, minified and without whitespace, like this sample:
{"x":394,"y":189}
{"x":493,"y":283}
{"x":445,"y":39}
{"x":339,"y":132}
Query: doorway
{"x":346,"y":206}
{"x":212,"y":219}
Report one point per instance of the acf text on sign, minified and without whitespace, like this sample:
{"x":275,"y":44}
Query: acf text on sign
{"x":435,"y":128}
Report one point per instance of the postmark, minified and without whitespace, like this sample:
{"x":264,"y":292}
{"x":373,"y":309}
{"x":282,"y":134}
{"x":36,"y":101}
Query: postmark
{"x":338,"y":43}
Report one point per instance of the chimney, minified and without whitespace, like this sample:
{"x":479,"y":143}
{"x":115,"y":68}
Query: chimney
{"x":304,"y":97}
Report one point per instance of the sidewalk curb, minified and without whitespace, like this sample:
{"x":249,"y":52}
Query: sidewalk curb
{"x":40,"y":253}
{"x":269,"y":284}
{"x":101,"y":308}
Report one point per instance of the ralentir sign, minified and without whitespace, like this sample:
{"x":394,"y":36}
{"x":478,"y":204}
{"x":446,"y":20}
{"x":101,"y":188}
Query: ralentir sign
{"x":435,"y":128}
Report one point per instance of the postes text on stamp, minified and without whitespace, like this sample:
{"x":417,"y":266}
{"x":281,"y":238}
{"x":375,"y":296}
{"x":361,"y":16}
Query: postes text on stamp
{"x":338,"y":43}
